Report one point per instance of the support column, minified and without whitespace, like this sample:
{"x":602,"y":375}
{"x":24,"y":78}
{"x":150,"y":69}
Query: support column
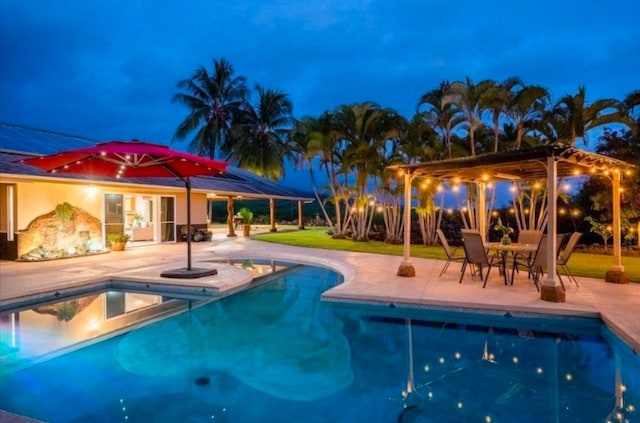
{"x":551,"y":290}
{"x":300,"y":219}
{"x":230,"y":213}
{"x":616,"y":274}
{"x":482,"y":212}
{"x":272,"y":215}
{"x":406,"y":267}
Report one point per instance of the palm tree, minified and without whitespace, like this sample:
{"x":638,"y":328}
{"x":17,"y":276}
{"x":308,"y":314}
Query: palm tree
{"x":260,"y":139}
{"x":498,"y":100}
{"x":526,"y":109}
{"x":316,"y":138}
{"x":367,"y":129}
{"x":214,"y":102}
{"x":572,"y":118}
{"x":632,"y":102}
{"x":471,"y":100}
{"x":440,"y":115}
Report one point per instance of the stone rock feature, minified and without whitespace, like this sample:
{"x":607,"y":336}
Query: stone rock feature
{"x":64,"y":232}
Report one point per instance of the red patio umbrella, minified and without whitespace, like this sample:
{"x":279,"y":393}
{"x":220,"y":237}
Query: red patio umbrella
{"x":133,"y":159}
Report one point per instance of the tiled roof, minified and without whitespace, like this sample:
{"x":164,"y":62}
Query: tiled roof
{"x":17,"y":142}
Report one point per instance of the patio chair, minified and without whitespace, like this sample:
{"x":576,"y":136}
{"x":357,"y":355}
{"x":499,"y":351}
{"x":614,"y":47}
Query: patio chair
{"x":476,"y":254}
{"x":450,"y":252}
{"x":535,"y":266}
{"x":527,"y":236}
{"x":565,"y":255}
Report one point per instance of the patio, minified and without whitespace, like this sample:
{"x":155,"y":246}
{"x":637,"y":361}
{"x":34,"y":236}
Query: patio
{"x":615,"y":304}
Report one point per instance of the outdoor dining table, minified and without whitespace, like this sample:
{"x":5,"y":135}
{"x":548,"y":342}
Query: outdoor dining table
{"x":504,"y":250}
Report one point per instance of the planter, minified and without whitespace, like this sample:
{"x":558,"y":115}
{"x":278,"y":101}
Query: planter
{"x":506,"y":240}
{"x":118,"y":246}
{"x":246,"y":230}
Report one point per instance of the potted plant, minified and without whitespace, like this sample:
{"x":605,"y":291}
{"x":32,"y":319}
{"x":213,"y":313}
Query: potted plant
{"x":506,"y":230}
{"x":137,"y":219}
{"x":247,"y":217}
{"x":118,"y":241}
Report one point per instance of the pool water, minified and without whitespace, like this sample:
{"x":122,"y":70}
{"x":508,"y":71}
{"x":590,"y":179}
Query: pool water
{"x":276,"y":353}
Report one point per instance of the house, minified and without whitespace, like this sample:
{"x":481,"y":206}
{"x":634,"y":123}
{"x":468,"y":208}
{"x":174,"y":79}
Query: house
{"x":45,"y":215}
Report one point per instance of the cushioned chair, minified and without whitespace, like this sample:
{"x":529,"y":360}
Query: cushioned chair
{"x":476,"y":254}
{"x":451,"y":253}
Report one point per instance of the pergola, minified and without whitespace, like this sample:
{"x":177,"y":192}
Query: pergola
{"x":550,"y":162}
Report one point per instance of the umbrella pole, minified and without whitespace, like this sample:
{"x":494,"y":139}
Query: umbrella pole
{"x":187,"y":184}
{"x":189,"y":273}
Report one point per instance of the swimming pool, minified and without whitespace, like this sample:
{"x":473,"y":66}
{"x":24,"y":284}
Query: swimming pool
{"x":276,"y":353}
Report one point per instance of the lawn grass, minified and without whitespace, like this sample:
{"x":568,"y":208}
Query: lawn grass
{"x":581,"y":264}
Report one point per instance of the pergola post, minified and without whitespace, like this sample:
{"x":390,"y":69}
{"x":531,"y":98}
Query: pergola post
{"x":551,"y":289}
{"x":406,"y":267}
{"x":272,"y":215}
{"x":300,"y":220}
{"x":482,"y":213}
{"x":616,"y":274}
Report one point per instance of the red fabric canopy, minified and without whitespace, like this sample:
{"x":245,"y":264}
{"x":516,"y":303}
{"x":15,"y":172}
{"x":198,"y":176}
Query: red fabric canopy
{"x":133,"y":159}
{"x":128,"y":159}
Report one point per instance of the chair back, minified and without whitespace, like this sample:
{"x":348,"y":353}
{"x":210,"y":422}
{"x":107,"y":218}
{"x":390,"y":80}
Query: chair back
{"x":529,"y":236}
{"x":565,"y":254}
{"x":474,"y":247}
{"x":540,"y":258}
{"x":445,"y":243}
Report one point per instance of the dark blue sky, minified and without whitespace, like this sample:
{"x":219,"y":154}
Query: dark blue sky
{"x":108,"y":69}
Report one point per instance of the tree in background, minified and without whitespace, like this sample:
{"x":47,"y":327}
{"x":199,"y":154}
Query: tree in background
{"x":214,"y":102}
{"x":259,"y":140}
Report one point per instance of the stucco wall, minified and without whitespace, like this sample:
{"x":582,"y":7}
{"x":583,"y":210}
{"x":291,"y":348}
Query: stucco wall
{"x":37,"y":198}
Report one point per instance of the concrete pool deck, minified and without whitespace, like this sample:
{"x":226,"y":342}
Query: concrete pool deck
{"x":368,"y":278}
